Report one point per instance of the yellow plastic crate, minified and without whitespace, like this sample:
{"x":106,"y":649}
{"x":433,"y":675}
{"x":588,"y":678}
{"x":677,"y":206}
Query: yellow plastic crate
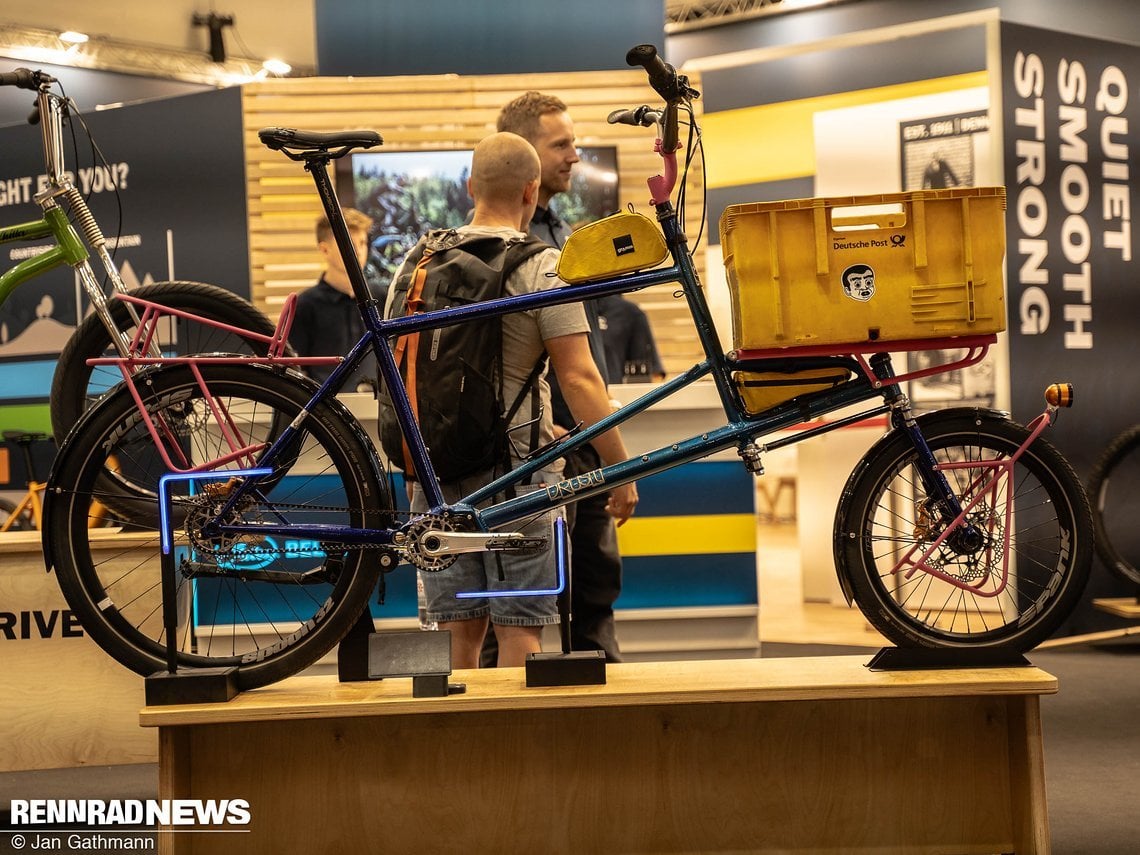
{"x":858,"y":269}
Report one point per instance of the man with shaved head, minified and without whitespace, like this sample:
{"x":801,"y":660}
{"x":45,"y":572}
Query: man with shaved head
{"x":504,"y":184}
{"x":595,"y":567}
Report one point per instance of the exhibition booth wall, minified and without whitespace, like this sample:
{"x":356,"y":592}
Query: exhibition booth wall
{"x":175,"y":160}
{"x":202,"y":199}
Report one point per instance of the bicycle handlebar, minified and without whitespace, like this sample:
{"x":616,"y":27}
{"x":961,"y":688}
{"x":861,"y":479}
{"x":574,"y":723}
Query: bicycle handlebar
{"x":667,"y":83}
{"x":23,"y":78}
{"x":641,"y":116}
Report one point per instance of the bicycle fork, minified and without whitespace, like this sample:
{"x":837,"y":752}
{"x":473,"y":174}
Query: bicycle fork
{"x":962,"y":529}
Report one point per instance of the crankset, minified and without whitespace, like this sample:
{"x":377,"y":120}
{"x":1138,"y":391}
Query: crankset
{"x":431,"y":543}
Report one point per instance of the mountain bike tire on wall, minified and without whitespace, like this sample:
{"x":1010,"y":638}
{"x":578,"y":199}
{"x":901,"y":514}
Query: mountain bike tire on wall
{"x":882,"y":515}
{"x":1115,"y":497}
{"x":243,"y":602}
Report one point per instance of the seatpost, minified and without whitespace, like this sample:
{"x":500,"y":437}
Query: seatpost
{"x":318,"y":168}
{"x":29,"y":461}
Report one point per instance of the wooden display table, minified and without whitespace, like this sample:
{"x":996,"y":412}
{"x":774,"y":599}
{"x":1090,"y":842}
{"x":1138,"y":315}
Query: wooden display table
{"x":1125,"y":607}
{"x":65,"y":702}
{"x":746,"y":755}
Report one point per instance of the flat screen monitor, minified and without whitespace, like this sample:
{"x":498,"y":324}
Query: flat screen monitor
{"x":407,"y":193}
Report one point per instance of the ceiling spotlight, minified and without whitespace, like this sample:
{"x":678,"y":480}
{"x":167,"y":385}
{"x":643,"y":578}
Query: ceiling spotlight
{"x":73,"y":38}
{"x":277,"y":66}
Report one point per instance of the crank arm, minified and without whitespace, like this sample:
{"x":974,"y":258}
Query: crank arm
{"x":437,"y":544}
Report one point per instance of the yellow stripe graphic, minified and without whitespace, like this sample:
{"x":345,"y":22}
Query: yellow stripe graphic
{"x":774,"y":142}
{"x":688,"y":535}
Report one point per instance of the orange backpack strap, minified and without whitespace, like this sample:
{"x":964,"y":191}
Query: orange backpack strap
{"x":410,"y":342}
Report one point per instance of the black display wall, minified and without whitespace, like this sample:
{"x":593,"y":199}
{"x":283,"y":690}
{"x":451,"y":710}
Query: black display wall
{"x":363,"y":37}
{"x":1071,"y":117}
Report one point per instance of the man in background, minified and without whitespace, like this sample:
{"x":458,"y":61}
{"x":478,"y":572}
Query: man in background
{"x":504,"y":185}
{"x":631,"y":351}
{"x":595,"y":563}
{"x":328,"y":322}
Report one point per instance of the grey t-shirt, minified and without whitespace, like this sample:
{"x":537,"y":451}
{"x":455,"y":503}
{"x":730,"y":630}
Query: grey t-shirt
{"x":524,"y":333}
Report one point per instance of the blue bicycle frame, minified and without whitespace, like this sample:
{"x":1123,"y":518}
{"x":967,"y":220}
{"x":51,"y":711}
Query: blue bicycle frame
{"x":740,"y":429}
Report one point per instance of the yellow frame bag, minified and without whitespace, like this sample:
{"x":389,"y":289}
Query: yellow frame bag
{"x":611,"y":246}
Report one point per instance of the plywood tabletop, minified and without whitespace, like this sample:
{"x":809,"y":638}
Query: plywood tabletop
{"x":628,"y":684}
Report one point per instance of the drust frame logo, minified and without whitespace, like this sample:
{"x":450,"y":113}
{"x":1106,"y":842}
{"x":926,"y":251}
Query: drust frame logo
{"x":244,"y":556}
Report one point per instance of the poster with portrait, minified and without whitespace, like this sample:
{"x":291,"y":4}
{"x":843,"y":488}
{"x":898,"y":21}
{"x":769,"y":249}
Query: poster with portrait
{"x":942,"y":152}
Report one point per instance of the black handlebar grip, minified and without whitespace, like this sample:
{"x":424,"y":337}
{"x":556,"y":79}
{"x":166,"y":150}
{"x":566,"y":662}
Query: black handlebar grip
{"x":662,"y":77}
{"x":641,"y":116}
{"x":21,"y":78}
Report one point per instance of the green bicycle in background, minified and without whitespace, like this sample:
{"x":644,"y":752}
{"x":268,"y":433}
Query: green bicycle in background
{"x":113,"y":325}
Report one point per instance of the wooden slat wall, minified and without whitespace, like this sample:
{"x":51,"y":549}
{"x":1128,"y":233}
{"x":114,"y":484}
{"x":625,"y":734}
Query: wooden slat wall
{"x":435,"y":112}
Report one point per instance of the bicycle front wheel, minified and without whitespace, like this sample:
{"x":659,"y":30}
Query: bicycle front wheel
{"x":268,"y":606}
{"x":1006,"y":579}
{"x":1116,"y":503}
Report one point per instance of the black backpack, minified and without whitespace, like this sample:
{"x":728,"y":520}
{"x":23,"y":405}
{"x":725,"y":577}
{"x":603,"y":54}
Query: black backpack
{"x":454,"y":374}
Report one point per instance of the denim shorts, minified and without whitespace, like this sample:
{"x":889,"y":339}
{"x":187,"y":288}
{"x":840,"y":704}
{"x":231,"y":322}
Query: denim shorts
{"x":481,"y":571}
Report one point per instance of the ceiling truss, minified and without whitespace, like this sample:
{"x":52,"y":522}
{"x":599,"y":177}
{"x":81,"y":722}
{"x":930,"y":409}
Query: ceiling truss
{"x":681,"y":15}
{"x":32,"y":45}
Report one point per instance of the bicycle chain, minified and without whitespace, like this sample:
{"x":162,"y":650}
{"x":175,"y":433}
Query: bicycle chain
{"x":408,"y":550}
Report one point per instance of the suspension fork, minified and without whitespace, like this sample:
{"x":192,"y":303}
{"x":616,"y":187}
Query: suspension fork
{"x":80,"y":259}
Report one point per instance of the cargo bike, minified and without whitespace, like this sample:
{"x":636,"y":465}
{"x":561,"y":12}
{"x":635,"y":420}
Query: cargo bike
{"x":959,"y":528}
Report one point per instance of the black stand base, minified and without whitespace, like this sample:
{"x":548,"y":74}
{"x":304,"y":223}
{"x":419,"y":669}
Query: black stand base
{"x":196,"y":686}
{"x":414,"y":653}
{"x":365,"y":654}
{"x":435,"y":686}
{"x":577,"y":668}
{"x":352,"y":654}
{"x":926,"y":658}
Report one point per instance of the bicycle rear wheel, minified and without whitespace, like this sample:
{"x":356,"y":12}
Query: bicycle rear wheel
{"x":1116,"y":504}
{"x":268,"y":607}
{"x":884,"y":513}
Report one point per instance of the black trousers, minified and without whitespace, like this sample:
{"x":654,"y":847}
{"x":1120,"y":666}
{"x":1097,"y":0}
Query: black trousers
{"x":595,"y":570}
{"x":595,"y":565}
